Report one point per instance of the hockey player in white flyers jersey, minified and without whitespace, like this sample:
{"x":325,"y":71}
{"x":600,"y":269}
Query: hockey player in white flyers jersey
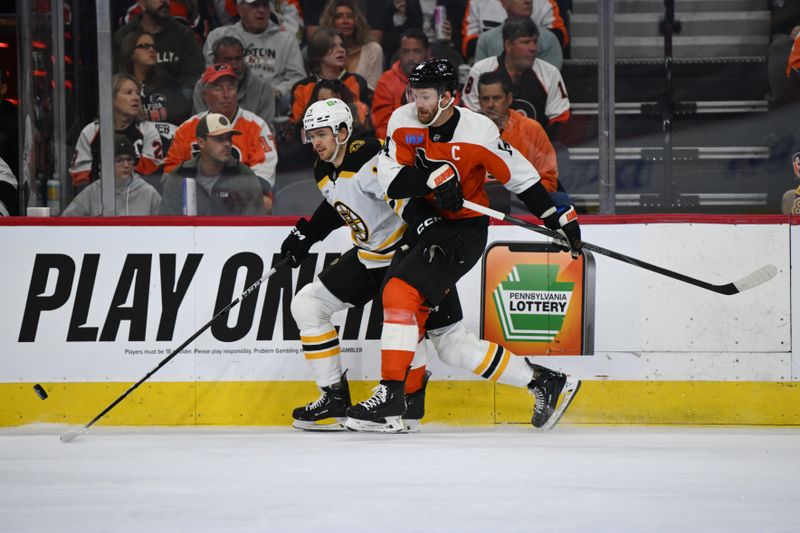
{"x":440,"y":154}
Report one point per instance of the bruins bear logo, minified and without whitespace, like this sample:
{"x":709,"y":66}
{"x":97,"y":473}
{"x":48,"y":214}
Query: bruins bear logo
{"x":355,"y":145}
{"x":351,"y":218}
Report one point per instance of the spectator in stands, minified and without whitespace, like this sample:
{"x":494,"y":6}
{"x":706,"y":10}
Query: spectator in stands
{"x":523,"y":134}
{"x":456,"y":11}
{"x":9,"y":199}
{"x":790,"y":204}
{"x":325,"y":89}
{"x":374,"y":11}
{"x":289,"y":13}
{"x":326,"y":61}
{"x":791,"y":89}
{"x":224,"y":186}
{"x":390,"y":92}
{"x":133,"y":196}
{"x":482,"y":15}
{"x":253,"y":147}
{"x":364,"y":56}
{"x":178,"y":50}
{"x":200,"y":16}
{"x":163,"y":101}
{"x":399,"y":16}
{"x":271,"y":51}
{"x":539,"y":91}
{"x":128,"y":121}
{"x":490,"y":42}
{"x":9,"y":133}
{"x":255,"y":93}
{"x":784,"y":30}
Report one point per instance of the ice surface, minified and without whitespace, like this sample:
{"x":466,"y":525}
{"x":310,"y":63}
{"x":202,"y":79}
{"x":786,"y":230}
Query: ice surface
{"x":505,"y":478}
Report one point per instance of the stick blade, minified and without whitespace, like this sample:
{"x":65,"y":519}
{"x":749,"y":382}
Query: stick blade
{"x":759,"y":277}
{"x":69,"y":436}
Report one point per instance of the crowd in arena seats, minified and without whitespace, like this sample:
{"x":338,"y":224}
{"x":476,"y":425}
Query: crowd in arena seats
{"x":784,"y":80}
{"x":259,"y":64}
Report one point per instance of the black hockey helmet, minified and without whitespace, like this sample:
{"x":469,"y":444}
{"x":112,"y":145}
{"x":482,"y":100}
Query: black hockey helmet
{"x":436,"y":73}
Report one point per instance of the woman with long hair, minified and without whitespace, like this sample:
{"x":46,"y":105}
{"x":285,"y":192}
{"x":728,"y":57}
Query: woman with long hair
{"x":325,"y":89}
{"x":128,"y":121}
{"x":364,"y":56}
{"x":163,"y":101}
{"x":326,"y":60}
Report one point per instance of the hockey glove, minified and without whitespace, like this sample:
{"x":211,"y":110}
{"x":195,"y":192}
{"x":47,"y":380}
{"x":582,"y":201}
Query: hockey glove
{"x":564,"y":220}
{"x":446,"y":188}
{"x":295,"y":247}
{"x":439,"y":238}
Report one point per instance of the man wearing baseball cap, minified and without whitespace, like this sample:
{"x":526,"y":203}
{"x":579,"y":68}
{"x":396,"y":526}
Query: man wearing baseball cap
{"x":222,"y":185}
{"x":254,"y":147}
{"x":254,"y":92}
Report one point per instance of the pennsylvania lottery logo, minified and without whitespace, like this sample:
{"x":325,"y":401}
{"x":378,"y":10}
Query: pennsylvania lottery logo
{"x":531,"y":304}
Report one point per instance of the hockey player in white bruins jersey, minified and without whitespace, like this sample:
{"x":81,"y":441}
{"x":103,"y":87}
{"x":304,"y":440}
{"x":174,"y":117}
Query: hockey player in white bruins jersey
{"x":440,"y":154}
{"x":345,"y":172}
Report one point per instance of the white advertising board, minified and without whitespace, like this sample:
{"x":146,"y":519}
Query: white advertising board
{"x":107,"y":303}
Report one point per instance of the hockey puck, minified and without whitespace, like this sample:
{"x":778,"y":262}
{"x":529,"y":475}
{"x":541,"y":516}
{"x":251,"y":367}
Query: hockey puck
{"x":40,"y":392}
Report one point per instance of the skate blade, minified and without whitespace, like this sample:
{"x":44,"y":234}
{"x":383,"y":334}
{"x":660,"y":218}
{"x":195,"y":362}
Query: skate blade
{"x":411,"y":426}
{"x":393,"y":424}
{"x":327,"y":424}
{"x":569,"y":392}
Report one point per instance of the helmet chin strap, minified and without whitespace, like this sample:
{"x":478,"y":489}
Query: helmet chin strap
{"x":440,"y":109}
{"x":338,"y":145}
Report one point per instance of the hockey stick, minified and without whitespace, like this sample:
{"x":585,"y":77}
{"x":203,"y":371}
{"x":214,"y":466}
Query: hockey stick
{"x":754,"y":279}
{"x":70,"y":435}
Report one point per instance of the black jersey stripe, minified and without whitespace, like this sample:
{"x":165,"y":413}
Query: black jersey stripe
{"x":498,"y":356}
{"x":320,"y":346}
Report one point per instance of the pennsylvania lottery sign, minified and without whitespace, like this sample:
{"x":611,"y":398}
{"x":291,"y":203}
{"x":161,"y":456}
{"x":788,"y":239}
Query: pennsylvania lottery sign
{"x":538,"y":301}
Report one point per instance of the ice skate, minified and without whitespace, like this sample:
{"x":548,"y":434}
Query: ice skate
{"x":415,"y":407}
{"x":383,"y":413}
{"x":546,"y":389}
{"x":328,"y":412}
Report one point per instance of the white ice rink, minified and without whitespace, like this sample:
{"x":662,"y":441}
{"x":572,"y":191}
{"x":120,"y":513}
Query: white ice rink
{"x":507,"y":478}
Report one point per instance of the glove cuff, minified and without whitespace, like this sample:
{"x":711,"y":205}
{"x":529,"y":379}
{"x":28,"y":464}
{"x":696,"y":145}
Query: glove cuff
{"x":440,"y":175}
{"x":307,"y":230}
{"x":558,"y":217}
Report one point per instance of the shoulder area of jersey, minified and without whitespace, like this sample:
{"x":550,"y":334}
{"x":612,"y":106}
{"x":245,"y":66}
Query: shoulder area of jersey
{"x":405,"y":116}
{"x":474,"y":125}
{"x":361,"y":149}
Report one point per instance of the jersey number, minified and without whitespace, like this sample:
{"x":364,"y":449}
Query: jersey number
{"x":504,"y":146}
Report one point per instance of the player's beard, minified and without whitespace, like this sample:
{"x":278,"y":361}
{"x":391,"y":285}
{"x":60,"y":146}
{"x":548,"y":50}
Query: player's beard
{"x":425,"y":119}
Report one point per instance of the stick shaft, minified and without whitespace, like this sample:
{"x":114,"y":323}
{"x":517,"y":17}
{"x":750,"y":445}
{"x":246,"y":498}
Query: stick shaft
{"x":728,"y":288}
{"x":70,"y":436}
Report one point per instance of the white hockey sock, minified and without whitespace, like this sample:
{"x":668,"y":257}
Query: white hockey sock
{"x":323,"y":354}
{"x":312,"y":309}
{"x":459,"y":347}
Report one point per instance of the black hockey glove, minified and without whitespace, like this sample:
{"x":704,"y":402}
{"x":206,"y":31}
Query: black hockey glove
{"x":295,"y":247}
{"x":439,"y":238}
{"x":446,"y":188}
{"x":564,"y":220}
